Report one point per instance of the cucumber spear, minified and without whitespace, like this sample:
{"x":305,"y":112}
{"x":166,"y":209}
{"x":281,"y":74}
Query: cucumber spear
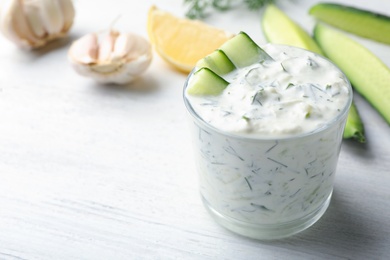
{"x":281,"y":29}
{"x":367,"y":73}
{"x":364,"y":23}
{"x":356,"y":128}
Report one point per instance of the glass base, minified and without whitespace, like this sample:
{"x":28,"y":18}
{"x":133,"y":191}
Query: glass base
{"x":268,"y":231}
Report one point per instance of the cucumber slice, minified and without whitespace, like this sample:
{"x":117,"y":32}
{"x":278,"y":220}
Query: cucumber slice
{"x":360,"y":22}
{"x":354,"y":127}
{"x":206,"y":82}
{"x":243,"y":51}
{"x":217,"y":62}
{"x":280,"y":29}
{"x":367,"y":73}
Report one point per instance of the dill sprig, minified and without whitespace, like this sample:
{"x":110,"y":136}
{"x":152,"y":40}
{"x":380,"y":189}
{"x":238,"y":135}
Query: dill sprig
{"x":257,"y":4}
{"x":198,"y":9}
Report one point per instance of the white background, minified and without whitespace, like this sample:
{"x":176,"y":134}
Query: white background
{"x":101,"y":172}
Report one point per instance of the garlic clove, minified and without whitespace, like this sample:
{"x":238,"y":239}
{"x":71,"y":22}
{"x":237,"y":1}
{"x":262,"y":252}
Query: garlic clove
{"x":112,"y":64}
{"x":34,"y":20}
{"x":15,"y":26}
{"x":86,"y":50}
{"x":33,"y":23}
{"x":51,"y":15}
{"x":123,"y":45}
{"x":7,"y":21}
{"x":140,"y":47}
{"x":107,"y":46}
{"x":105,"y":68}
{"x":68,"y":13}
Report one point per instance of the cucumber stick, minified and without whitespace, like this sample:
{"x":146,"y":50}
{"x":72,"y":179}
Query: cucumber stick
{"x":360,"y":22}
{"x":367,"y":73}
{"x":280,"y":29}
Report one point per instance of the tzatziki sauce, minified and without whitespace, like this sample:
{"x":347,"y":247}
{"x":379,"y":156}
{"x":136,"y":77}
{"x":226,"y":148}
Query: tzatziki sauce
{"x":267,"y":147}
{"x":296,"y":93}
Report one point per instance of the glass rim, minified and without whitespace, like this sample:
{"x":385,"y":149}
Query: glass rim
{"x":343,"y":113}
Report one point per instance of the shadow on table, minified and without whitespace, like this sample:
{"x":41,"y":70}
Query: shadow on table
{"x":362,"y":150}
{"x":32,"y":55}
{"x":342,"y":231}
{"x":142,"y":85}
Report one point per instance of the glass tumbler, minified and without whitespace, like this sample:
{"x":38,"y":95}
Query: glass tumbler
{"x":266,"y":188}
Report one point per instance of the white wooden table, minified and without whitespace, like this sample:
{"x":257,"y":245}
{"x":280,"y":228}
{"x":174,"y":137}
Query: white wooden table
{"x":100,"y":172}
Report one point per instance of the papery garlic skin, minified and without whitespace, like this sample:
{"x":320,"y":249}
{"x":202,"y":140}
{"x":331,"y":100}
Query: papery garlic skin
{"x":33,"y":23}
{"x":111,"y":57}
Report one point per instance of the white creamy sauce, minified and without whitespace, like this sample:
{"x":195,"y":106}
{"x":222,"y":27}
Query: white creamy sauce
{"x":297,"y":93}
{"x":285,"y":176}
{"x":267,"y":182}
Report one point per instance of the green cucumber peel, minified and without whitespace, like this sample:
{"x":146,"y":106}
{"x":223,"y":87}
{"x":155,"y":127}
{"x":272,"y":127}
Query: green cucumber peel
{"x":361,"y":22}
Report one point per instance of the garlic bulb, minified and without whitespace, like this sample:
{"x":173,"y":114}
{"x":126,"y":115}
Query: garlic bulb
{"x":33,"y":23}
{"x":111,"y":57}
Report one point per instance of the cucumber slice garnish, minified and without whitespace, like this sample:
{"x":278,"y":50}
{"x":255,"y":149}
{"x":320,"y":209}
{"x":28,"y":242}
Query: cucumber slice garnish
{"x":360,"y":22}
{"x":367,"y":73}
{"x":206,"y":82}
{"x":243,"y":51}
{"x":217,"y":62}
{"x":238,"y":52}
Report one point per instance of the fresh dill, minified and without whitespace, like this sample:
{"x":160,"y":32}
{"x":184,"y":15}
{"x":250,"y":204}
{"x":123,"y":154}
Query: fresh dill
{"x":198,"y":9}
{"x":247,"y":182}
{"x":290,"y":85}
{"x":247,"y":119}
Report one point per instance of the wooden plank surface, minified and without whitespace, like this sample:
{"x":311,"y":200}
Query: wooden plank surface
{"x":101,"y":172}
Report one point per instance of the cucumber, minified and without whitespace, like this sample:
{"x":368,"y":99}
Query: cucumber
{"x":356,"y":128}
{"x":243,"y":51}
{"x":360,"y":22}
{"x":217,"y":62}
{"x":367,"y":73}
{"x":206,"y":82}
{"x":280,"y":29}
